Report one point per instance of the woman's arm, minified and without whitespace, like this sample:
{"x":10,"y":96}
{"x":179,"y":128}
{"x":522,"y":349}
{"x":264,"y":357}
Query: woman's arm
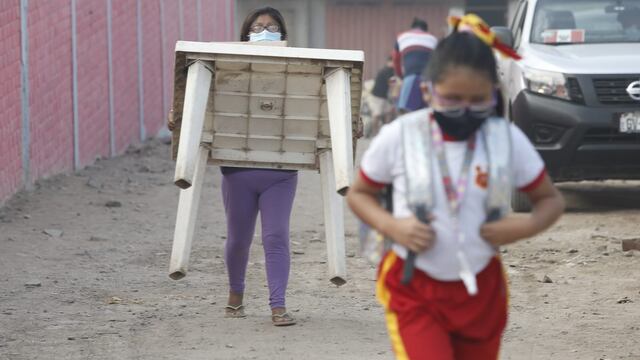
{"x":410,"y":232}
{"x":548,"y":205}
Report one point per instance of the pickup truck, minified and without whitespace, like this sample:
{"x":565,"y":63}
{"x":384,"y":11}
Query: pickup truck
{"x":576,"y":92}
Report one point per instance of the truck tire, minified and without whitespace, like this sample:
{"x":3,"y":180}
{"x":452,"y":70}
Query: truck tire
{"x":520,"y":202}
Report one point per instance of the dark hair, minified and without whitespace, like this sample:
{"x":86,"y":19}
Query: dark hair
{"x":461,"y":49}
{"x":464,"y":49}
{"x":419,"y":23}
{"x":267,"y":10}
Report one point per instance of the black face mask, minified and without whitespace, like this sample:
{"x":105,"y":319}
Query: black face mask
{"x":459,"y":127}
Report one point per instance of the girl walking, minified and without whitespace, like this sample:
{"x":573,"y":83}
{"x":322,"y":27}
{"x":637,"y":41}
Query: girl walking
{"x":437,"y":315}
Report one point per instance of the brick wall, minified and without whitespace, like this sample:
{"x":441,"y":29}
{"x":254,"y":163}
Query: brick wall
{"x":10,"y":105}
{"x":50,"y":83}
{"x":125,"y":74}
{"x":50,"y":100}
{"x":171,"y":35}
{"x":93,"y":80}
{"x":154,"y":113}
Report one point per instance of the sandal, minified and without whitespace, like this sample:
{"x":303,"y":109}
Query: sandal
{"x":284,"y":319}
{"x":231,"y":311}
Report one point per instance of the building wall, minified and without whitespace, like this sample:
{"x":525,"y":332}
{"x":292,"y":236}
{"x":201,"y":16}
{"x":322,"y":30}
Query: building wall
{"x":10,"y":105}
{"x":93,"y":80}
{"x":152,"y":67}
{"x":50,"y":96}
{"x":372,"y":26}
{"x":190,"y":14}
{"x":61,"y":112}
{"x":125,"y":74}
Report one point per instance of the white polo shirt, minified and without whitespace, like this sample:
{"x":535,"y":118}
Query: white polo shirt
{"x":415,"y":38}
{"x":383,"y":163}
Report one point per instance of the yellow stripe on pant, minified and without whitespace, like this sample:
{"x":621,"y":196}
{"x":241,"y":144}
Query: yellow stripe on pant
{"x":384,"y":296}
{"x":505,"y":278}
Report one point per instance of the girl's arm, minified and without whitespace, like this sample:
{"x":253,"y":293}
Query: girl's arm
{"x":548,"y":205}
{"x":410,"y":232}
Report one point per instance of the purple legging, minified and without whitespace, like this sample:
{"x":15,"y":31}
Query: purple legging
{"x":245,"y":193}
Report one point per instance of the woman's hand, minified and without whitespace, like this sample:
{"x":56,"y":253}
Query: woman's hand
{"x":171,"y":123}
{"x":412,"y":234}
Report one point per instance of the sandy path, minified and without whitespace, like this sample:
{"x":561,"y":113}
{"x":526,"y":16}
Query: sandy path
{"x":100,"y":289}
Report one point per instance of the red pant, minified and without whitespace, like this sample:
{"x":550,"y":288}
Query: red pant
{"x":431,"y":319}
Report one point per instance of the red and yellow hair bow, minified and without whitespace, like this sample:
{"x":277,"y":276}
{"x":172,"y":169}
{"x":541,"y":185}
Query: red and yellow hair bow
{"x":474,"y":24}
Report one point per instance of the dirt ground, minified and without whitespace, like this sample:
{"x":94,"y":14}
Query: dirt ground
{"x":85,"y":263}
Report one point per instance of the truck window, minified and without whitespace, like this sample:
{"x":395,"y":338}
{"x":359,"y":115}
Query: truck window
{"x":586,"y":21}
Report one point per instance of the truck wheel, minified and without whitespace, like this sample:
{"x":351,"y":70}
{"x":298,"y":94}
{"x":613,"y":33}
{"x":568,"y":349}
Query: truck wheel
{"x":520,"y":202}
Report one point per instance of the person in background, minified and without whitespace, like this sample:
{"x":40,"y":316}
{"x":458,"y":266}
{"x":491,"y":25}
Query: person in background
{"x":410,"y":57}
{"x":630,"y":21}
{"x":247,"y":192}
{"x":379,"y":99}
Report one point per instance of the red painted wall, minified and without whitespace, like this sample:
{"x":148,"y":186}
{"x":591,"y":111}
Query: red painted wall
{"x":217,"y":25}
{"x":93,"y":80}
{"x":50,"y":100}
{"x":154,"y":114}
{"x":190,"y":20}
{"x":51,"y":82}
{"x":10,"y":105}
{"x":171,"y":35}
{"x":125,"y":74}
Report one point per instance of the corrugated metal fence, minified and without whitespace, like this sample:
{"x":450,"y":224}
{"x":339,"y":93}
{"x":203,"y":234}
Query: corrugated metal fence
{"x":373,"y":27}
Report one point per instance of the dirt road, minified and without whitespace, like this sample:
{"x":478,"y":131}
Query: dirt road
{"x":85,"y":261}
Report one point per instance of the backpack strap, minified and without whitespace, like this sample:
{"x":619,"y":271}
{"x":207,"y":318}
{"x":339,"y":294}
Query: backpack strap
{"x":497,"y":142}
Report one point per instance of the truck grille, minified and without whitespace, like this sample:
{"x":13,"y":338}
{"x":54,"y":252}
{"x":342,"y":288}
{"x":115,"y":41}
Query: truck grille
{"x":609,"y":136}
{"x":613,"y":91}
{"x":574,"y":90}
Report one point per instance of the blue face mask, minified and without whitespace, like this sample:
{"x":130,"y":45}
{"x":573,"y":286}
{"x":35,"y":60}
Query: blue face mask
{"x":265,"y":35}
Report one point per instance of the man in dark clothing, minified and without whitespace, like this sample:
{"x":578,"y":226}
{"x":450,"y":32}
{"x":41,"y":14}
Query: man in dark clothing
{"x":381,"y":85}
{"x":378,"y":101}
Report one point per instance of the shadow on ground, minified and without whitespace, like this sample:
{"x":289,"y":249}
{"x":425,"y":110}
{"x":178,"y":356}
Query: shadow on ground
{"x":588,"y":197}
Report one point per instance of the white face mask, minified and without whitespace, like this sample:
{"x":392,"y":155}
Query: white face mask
{"x":265,"y":35}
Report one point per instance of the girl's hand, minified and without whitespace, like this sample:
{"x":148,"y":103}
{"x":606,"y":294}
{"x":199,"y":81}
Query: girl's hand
{"x":409,"y":232}
{"x":507,"y":230}
{"x":412,"y":234}
{"x":548,"y":206}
